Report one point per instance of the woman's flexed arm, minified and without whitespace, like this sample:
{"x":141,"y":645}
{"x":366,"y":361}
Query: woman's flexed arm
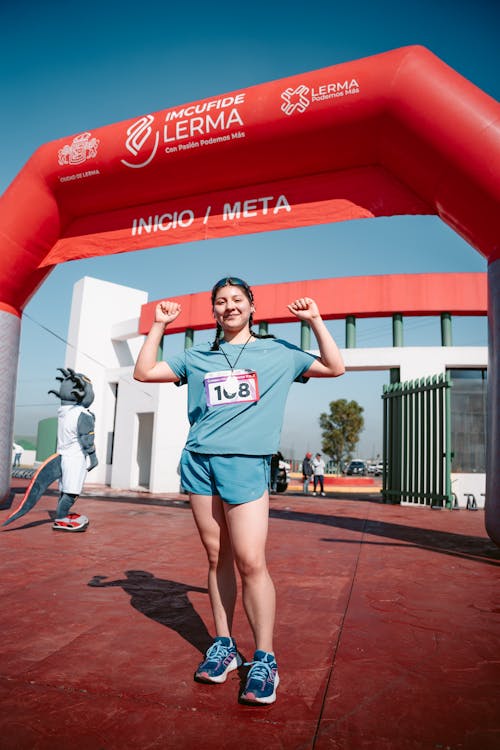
{"x":147,"y":369}
{"x":330,"y":363}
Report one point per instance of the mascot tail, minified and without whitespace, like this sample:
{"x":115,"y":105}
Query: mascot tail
{"x":46,"y":473}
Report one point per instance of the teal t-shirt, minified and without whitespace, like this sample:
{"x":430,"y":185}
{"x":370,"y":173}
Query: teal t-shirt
{"x":252,"y":428}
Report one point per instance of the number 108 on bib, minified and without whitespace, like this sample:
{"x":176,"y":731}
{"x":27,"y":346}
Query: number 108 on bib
{"x":226,"y":387}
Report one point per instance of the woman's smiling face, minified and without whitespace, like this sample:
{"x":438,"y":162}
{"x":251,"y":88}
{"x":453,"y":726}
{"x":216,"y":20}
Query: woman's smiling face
{"x":232,"y":308}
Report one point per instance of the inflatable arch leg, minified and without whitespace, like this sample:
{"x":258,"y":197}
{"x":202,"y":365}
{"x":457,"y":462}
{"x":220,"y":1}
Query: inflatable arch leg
{"x":492,"y":505}
{"x":10,"y":329}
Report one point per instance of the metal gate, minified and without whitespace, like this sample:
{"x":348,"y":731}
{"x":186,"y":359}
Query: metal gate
{"x":417,"y":442}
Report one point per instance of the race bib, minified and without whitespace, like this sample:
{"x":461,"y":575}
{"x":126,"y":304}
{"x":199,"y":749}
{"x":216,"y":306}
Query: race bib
{"x":226,"y":387}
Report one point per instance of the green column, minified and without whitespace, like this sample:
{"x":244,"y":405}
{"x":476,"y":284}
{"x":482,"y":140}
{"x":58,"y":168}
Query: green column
{"x":189,"y":338}
{"x":46,"y":439}
{"x":350,"y":332}
{"x":305,"y":335}
{"x":449,"y":452}
{"x":397,"y":329}
{"x":395,"y":375}
{"x":446,"y":337}
{"x":263,"y":328}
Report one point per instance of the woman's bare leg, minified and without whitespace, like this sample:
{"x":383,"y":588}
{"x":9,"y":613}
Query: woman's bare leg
{"x":211,"y":523}
{"x":248,"y":525}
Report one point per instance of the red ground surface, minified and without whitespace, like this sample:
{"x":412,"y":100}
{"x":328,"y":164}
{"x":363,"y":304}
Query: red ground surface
{"x":387,"y":634}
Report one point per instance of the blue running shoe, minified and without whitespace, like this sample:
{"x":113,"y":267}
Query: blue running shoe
{"x":262,"y":679}
{"x":221,"y":658}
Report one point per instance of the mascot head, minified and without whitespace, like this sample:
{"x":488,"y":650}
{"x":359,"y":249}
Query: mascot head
{"x":75,"y":388}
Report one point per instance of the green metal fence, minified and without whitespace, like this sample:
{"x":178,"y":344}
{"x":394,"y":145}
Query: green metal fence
{"x":417,"y":442}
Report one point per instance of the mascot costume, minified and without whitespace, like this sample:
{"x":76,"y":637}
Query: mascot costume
{"x":75,"y":444}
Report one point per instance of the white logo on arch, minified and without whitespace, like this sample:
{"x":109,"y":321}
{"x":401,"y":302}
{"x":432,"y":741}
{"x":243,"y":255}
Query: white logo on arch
{"x":142,"y":140}
{"x":295,"y":100}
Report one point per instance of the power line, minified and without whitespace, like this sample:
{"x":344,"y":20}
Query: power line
{"x":22,"y":406}
{"x":68,"y":343}
{"x":61,"y":338}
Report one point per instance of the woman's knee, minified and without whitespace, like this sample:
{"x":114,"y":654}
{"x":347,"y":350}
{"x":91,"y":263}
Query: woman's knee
{"x":251,"y":565}
{"x":218,"y":553}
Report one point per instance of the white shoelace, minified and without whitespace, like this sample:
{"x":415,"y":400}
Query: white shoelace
{"x":259,"y":670}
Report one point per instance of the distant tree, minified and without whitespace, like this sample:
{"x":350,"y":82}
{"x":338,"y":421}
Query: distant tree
{"x":29,"y":444}
{"x":341,"y":428}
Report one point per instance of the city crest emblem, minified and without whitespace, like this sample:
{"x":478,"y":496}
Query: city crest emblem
{"x":82,"y":147}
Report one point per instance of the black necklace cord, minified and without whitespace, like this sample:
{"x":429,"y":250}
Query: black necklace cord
{"x":233,"y":367}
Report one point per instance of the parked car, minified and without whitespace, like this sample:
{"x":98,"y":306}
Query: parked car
{"x":356,"y":468}
{"x":283,"y":476}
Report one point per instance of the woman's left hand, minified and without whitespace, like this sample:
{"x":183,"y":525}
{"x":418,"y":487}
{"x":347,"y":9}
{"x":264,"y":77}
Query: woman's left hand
{"x":329,"y":364}
{"x":304,"y":308}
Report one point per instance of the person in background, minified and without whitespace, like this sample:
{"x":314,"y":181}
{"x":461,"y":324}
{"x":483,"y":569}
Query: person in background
{"x":307,"y":472}
{"x":17,"y":452}
{"x":319,"y":474}
{"x":237,"y":390}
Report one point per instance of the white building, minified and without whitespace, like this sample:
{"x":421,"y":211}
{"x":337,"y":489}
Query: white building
{"x":142,"y":427}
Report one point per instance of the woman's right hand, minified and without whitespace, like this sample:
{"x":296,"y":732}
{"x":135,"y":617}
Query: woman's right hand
{"x":167,"y":311}
{"x":147,"y":367}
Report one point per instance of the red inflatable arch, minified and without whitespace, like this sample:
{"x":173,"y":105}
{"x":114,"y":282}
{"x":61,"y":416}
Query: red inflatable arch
{"x":396,"y":133}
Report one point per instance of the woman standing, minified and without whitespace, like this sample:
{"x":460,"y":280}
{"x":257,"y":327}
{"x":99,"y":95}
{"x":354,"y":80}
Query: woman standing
{"x":237,"y":390}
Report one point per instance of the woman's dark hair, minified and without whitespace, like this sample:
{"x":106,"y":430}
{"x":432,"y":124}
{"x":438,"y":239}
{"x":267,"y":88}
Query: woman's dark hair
{"x":235,"y":281}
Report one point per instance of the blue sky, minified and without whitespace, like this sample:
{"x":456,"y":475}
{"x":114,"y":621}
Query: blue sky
{"x":67,"y":68}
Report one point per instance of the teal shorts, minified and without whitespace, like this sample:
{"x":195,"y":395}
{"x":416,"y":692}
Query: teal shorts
{"x":236,"y":479}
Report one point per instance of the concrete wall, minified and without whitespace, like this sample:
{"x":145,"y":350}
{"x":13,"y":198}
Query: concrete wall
{"x":103,"y":344}
{"x":415,"y":361}
{"x":28,"y":459}
{"x":461,"y":484}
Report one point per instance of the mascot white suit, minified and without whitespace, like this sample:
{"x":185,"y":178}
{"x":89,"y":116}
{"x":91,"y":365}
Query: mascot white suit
{"x":75,"y":453}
